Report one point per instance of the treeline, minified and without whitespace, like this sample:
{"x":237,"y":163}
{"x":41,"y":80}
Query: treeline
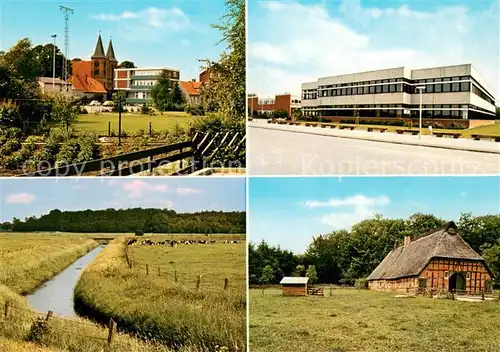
{"x":344,"y":256}
{"x":131,"y":220}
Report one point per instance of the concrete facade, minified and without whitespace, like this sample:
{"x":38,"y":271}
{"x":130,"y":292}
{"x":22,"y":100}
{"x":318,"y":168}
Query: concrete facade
{"x":454,"y":92}
{"x":137,"y":82}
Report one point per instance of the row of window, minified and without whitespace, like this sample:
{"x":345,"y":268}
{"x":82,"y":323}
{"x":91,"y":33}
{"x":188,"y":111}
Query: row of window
{"x":399,"y":79}
{"x":391,"y":88}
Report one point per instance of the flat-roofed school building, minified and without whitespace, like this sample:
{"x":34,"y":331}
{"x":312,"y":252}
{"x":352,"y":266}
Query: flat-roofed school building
{"x":451,"y":92}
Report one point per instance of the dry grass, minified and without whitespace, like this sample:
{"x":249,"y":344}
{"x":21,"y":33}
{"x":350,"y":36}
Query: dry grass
{"x":26,"y":261}
{"x":360,"y":320}
{"x":158,"y":308}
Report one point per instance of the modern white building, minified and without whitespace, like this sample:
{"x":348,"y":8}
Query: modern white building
{"x":450,"y":92}
{"x":137,"y":82}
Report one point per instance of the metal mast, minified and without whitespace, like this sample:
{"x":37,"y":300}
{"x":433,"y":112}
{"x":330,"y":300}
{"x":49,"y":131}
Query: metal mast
{"x":66,"y":12}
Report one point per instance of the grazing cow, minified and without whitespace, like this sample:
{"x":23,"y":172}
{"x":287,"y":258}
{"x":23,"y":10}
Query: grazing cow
{"x":212,"y":241}
{"x":131,"y":242}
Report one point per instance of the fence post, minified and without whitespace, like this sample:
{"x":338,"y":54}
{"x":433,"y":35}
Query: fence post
{"x":226,"y":283}
{"x":147,"y":269}
{"x":6,"y":309}
{"x":331,"y":286}
{"x":109,"y":128}
{"x":175,"y":275}
{"x":159,"y":270}
{"x":150,"y":129}
{"x":198,"y":282}
{"x":111,"y":330}
{"x":181,"y":161}
{"x":49,"y":315}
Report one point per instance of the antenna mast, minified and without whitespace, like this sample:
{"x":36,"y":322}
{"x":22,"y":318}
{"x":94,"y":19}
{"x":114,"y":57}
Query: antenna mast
{"x":66,"y":12}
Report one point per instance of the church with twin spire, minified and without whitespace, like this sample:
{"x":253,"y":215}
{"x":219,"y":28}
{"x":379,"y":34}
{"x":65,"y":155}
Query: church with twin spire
{"x":95,"y":77}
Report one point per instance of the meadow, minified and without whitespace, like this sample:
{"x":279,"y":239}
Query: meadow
{"x":362,"y":320}
{"x":132,"y":122}
{"x":28,"y":260}
{"x":153,"y":305}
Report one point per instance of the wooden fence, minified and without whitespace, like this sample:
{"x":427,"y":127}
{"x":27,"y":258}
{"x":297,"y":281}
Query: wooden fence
{"x":203,"y":149}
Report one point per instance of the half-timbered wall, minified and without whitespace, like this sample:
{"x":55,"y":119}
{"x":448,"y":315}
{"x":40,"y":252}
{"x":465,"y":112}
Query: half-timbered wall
{"x":438,"y":272}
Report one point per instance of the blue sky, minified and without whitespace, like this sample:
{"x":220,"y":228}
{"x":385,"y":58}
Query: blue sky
{"x":150,"y":33}
{"x":290,"y":211}
{"x":299,"y":41}
{"x":26,"y":197}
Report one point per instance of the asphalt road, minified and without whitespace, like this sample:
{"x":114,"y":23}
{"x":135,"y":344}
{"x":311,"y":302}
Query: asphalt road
{"x":273,"y":152}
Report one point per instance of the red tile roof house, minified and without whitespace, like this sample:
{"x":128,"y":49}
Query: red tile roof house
{"x":435,"y":264}
{"x":191,"y":92}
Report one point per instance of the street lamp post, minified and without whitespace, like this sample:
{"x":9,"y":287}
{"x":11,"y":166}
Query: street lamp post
{"x":420,"y":89}
{"x":54,"y":64}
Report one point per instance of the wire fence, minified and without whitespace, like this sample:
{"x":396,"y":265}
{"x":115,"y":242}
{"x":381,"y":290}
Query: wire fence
{"x":48,"y":319}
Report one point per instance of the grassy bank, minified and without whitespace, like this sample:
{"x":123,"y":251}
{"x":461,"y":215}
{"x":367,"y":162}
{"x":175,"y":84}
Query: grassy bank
{"x":26,"y":261}
{"x":157,"y":308}
{"x":132,"y":122}
{"x":360,"y":320}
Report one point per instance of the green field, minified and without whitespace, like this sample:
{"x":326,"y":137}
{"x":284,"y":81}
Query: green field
{"x":151,"y":304}
{"x":362,"y":320}
{"x":26,"y":261}
{"x":132,"y":122}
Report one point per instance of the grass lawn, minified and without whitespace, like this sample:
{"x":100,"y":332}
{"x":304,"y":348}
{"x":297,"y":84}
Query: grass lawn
{"x":361,"y":320}
{"x":493,"y":129}
{"x":154,"y":306}
{"x":132,"y":122}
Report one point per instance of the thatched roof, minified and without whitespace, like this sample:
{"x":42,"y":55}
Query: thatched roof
{"x":412,"y":259}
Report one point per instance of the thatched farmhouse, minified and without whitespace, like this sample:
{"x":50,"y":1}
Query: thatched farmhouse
{"x":437,"y":263}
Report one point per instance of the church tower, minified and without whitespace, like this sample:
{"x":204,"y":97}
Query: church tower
{"x":99,"y":64}
{"x":111,"y":63}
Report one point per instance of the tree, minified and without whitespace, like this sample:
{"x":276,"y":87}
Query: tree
{"x":64,"y":111}
{"x":311,"y":274}
{"x":22,"y":60}
{"x":44,"y":54}
{"x":177,"y":96}
{"x":116,"y":100}
{"x":161,"y":93}
{"x":226,"y":90}
{"x":300,"y":270}
{"x":491,"y":255}
{"x":127,"y":64}
{"x":267,"y":275}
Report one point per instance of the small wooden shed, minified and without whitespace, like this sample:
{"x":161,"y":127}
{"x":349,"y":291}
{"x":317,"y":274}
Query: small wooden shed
{"x":294,"y":286}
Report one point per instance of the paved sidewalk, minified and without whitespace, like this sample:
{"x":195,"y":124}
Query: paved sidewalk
{"x":464,"y":144}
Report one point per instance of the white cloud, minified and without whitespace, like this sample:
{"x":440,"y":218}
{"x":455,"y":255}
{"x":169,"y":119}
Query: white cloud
{"x":361,"y":207}
{"x":357,"y":200}
{"x":292,"y":43}
{"x":173,"y":19}
{"x":138,"y":188}
{"x":187,"y":191}
{"x":20,"y":198}
{"x":463,"y":194}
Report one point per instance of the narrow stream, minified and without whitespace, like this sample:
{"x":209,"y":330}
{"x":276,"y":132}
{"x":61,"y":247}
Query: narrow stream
{"x":57,"y":294}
